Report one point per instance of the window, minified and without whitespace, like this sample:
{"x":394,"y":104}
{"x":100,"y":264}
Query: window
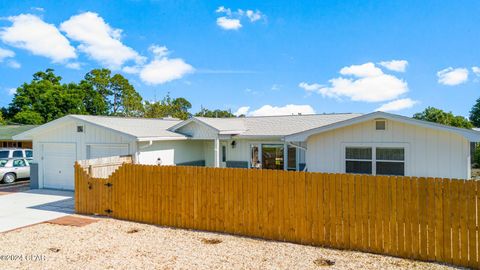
{"x":380,"y":125}
{"x":375,"y":160}
{"x":4,"y":154}
{"x":19,"y":163}
{"x":390,"y":161}
{"x":28,"y":153}
{"x":254,"y":161}
{"x":17,"y":153}
{"x":79,"y":129}
{"x":3,"y":162}
{"x":358,"y":160}
{"x":292,"y":158}
{"x":272,"y":156}
{"x":224,"y":153}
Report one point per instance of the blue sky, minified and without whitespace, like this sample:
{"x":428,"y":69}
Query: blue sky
{"x":274,"y":57}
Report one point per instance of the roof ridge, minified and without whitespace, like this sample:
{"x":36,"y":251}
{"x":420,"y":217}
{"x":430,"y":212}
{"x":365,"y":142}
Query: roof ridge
{"x":125,"y":117}
{"x":283,"y":115}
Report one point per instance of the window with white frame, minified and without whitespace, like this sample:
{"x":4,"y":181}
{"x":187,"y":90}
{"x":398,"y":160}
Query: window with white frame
{"x":375,"y":160}
{"x":358,"y":160}
{"x":390,"y":161}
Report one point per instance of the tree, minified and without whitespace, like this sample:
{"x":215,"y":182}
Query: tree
{"x":215,"y":113}
{"x":47,"y":97}
{"x":174,"y":107}
{"x":126,"y":101}
{"x":2,"y":121}
{"x":475,"y":113}
{"x":28,"y":117}
{"x":107,"y":94}
{"x":432,"y":114}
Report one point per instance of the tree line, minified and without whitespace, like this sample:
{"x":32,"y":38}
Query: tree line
{"x":46,"y":98}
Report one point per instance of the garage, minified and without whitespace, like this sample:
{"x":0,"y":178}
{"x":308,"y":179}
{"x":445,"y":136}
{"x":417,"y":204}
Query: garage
{"x":106,"y":150}
{"x":59,"y":143}
{"x":57,"y":166}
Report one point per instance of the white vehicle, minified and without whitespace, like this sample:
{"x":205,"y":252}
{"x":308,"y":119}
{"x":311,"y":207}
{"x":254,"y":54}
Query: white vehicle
{"x":13,"y":169}
{"x":6,"y":153}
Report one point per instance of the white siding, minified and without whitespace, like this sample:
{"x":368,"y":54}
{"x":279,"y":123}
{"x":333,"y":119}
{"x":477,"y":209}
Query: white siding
{"x":171,"y":152}
{"x":429,"y":152}
{"x":67,"y":133}
{"x":198,"y":131}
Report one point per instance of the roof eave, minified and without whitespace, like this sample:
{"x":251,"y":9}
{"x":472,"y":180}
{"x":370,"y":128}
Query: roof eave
{"x":470,"y":135}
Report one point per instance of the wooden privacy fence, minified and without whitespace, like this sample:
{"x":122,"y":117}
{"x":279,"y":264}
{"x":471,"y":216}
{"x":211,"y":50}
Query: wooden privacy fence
{"x":418,"y":218}
{"x":103,"y":167}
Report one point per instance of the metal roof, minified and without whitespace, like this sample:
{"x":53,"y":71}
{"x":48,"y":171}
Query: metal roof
{"x":8,"y":131}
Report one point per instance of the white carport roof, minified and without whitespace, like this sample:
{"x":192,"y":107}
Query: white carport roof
{"x":471,"y":135}
{"x":141,"y":129}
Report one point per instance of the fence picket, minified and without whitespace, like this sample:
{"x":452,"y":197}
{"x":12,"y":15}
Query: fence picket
{"x":426,"y":218}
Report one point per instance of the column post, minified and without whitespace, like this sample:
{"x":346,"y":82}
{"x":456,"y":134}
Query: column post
{"x":217,"y":153}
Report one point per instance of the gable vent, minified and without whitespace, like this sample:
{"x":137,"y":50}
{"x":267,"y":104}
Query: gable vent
{"x":80,"y":129}
{"x":380,"y":125}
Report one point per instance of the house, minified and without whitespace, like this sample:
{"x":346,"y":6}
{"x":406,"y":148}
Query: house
{"x":376,"y":143}
{"x":8,"y":131}
{"x":387,"y":144}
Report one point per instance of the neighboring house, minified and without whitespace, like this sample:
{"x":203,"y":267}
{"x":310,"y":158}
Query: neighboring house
{"x":8,"y":131}
{"x":376,"y":143}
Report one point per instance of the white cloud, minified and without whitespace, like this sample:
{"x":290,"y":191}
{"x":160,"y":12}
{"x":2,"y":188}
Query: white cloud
{"x":4,"y":53}
{"x":254,"y":15}
{"x":275,"y":87}
{"x":309,"y":87}
{"x":13,"y":64}
{"x":99,"y":41}
{"x":452,"y":76}
{"x":159,"y":51}
{"x":12,"y":91}
{"x":232,"y":20}
{"x":40,"y":9}
{"x":31,"y":33}
{"x":364,"y":83}
{"x":222,"y":9}
{"x":266,"y":110}
{"x":476,"y":70}
{"x":395,"y":65}
{"x":242,"y":111}
{"x":160,"y":71}
{"x":229,"y":24}
{"x":74,"y":65}
{"x":362,"y":71}
{"x":397,"y":105}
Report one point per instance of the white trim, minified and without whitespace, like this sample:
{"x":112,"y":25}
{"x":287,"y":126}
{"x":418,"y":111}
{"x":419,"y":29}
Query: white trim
{"x":146,"y":139}
{"x":374,"y":147}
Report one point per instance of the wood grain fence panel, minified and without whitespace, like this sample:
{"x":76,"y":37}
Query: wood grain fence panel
{"x":418,"y":218}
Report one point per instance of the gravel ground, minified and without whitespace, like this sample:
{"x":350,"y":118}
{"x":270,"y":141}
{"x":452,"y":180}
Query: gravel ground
{"x":114,"y":244}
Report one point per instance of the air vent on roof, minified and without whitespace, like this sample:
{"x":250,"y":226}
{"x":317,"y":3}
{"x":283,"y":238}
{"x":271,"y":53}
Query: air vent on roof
{"x":380,"y":125}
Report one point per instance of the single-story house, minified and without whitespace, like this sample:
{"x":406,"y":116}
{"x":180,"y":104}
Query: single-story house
{"x":8,"y":131}
{"x":375,"y":143}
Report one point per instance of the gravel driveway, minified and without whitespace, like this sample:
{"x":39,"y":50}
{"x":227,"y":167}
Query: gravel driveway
{"x":114,"y":244}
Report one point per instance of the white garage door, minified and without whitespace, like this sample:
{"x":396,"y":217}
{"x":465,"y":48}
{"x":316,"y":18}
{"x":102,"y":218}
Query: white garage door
{"x":58,"y":161}
{"x":106,"y":150}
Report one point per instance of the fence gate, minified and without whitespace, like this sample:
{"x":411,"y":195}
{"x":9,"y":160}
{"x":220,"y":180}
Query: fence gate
{"x":96,"y":191}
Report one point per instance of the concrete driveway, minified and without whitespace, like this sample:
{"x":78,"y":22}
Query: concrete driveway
{"x":21,"y":209}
